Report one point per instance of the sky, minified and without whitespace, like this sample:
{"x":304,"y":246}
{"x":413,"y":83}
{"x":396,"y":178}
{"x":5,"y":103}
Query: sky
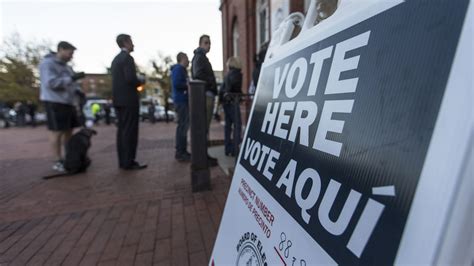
{"x":156,"y":26}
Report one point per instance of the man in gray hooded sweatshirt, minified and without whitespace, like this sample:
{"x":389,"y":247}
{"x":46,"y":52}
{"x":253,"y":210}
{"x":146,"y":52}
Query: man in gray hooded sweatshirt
{"x":58,"y":92}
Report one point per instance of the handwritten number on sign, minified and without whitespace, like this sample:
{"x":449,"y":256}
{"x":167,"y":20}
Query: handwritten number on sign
{"x":282,"y":242}
{"x":285,"y":243}
{"x":287,"y":249}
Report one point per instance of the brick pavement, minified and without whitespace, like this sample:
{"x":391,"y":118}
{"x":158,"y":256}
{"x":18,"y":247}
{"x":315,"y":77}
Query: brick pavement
{"x":106,"y":216}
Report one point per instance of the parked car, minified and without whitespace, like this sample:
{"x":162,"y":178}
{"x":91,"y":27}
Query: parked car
{"x":40,"y":118}
{"x":5,"y":117}
{"x":160,"y":113}
{"x":87,"y":109}
{"x":8,"y":117}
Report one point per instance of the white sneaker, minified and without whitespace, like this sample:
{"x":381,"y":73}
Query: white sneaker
{"x":58,"y":166}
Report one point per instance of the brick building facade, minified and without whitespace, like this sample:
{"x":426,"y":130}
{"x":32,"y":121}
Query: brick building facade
{"x":247,"y":25}
{"x":94,"y":84}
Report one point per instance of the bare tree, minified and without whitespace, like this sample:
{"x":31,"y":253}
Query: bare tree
{"x":162,"y":67}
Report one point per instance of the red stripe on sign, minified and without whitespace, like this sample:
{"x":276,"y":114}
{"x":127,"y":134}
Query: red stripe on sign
{"x":276,"y":250}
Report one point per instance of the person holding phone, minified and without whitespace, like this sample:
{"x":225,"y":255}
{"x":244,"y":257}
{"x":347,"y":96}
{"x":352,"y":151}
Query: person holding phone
{"x":58,"y":93}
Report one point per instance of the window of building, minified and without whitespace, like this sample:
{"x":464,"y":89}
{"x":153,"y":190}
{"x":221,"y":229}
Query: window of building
{"x":325,"y":8}
{"x":279,"y":9}
{"x":235,"y":38}
{"x":263,"y":30}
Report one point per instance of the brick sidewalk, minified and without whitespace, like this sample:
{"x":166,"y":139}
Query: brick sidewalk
{"x":105,"y":216}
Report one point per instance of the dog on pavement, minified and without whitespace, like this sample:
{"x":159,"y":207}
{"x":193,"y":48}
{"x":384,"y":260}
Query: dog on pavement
{"x":76,"y":160}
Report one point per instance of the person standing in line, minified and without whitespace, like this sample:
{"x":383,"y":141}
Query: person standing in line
{"x":107,"y":110}
{"x":31,"y":107}
{"x":126,"y":103}
{"x":179,"y":81}
{"x":95,"y":108}
{"x":58,"y":92}
{"x":201,"y":69}
{"x":151,"y":112}
{"x":230,"y":94}
{"x":20,"y":114}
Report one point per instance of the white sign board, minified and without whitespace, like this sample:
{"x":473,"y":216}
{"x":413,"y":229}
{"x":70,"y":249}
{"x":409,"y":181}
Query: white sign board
{"x":359,"y":142}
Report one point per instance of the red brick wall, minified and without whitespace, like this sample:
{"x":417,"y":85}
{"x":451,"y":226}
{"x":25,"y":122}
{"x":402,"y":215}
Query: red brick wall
{"x":297,"y":6}
{"x":244,"y":12}
{"x":94,"y":84}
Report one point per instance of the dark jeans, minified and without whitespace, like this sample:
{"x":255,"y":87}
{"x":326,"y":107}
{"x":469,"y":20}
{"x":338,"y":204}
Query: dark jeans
{"x":233,"y":125}
{"x":20,"y":120}
{"x":127,"y":134}
{"x":33,"y":120}
{"x":107,"y":117}
{"x":182,"y":111}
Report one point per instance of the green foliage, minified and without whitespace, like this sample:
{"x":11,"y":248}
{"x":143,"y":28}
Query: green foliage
{"x":12,"y":92}
{"x":19,"y":77}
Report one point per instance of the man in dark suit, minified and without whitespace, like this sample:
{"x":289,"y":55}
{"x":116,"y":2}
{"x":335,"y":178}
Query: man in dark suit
{"x":126,"y":102}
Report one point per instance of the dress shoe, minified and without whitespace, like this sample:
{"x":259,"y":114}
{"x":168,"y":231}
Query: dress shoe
{"x":136,"y":166}
{"x":230,"y":154}
{"x":185,"y":157}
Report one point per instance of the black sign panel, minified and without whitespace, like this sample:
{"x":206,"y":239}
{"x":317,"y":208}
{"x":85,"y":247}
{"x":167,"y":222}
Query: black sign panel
{"x":396,"y":65}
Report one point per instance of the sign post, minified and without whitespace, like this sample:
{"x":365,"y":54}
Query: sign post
{"x":359,"y":142}
{"x":200,"y":175}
